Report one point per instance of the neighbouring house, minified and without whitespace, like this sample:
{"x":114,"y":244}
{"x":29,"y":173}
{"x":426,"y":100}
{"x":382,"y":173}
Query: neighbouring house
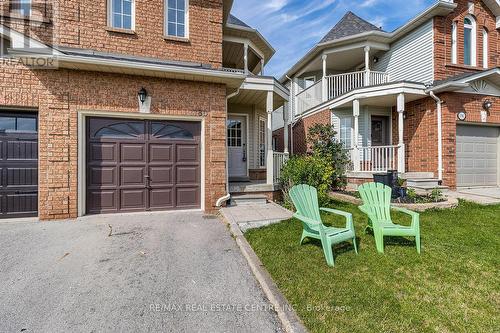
{"x":422,"y":99}
{"x":124,"y":106}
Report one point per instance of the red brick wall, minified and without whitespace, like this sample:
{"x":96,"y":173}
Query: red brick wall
{"x":421,"y":131}
{"x":83,"y":24}
{"x":301,"y":129}
{"x":443,"y":67}
{"x":59,"y":95}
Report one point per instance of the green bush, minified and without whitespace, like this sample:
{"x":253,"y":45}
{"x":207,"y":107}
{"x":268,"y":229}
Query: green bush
{"x":307,"y":169}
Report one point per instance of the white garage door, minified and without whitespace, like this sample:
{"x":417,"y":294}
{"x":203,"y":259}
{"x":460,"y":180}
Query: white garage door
{"x":477,"y":156}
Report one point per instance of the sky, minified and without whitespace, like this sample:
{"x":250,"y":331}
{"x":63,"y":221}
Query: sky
{"x":293,"y":27}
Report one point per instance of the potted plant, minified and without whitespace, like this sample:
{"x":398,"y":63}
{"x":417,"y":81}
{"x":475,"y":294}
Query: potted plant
{"x":401,"y":189}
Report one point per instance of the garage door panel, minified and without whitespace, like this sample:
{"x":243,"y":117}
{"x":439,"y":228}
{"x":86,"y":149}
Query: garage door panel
{"x":102,"y":152}
{"x":132,"y":153}
{"x":187,"y":197}
{"x":102,"y":201}
{"x":133,"y":199}
{"x":187,"y":153}
{"x":132,"y":176}
{"x":102,"y":176}
{"x":20,"y":177}
{"x":477,"y":156}
{"x":161,"y":175}
{"x":187,"y":175}
{"x":26,"y":203}
{"x":162,"y":198}
{"x":22,"y":150}
{"x":161,"y":153}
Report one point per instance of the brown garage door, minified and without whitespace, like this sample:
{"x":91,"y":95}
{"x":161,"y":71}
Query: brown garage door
{"x":18,"y":165}
{"x":135,"y":165}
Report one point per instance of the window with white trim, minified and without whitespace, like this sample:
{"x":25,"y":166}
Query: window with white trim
{"x":121,"y":14}
{"x":454,"y":43}
{"x":345,"y":133}
{"x":309,"y":81}
{"x":262,"y":142}
{"x":470,"y":41}
{"x":21,"y":7}
{"x":176,"y":18}
{"x":485,"y":48}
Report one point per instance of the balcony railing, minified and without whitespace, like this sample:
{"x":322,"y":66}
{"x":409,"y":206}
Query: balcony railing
{"x":233,"y":70}
{"x":337,"y":85}
{"x":279,"y":160}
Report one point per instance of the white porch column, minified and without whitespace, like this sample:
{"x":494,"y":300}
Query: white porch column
{"x":261,"y":66}
{"x":295,"y":91}
{"x":286,"y":120}
{"x":245,"y":57}
{"x":367,"y":65}
{"x":355,"y":150}
{"x":269,"y":137}
{"x":324,"y":90}
{"x":401,"y":144}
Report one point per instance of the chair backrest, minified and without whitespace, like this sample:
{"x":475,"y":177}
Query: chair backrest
{"x":305,"y":200}
{"x":377,"y":198}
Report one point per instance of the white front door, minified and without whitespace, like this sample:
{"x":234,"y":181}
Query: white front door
{"x":237,"y":146}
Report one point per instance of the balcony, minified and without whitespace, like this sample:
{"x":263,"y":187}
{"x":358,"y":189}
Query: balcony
{"x":333,"y":86}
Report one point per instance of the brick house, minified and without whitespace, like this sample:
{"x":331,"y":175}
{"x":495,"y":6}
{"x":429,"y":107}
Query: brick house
{"x":123,"y":106}
{"x":423,"y":99}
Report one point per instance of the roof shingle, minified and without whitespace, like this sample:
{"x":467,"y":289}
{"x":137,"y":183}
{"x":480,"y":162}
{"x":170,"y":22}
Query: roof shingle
{"x":349,"y":25}
{"x":236,"y":21}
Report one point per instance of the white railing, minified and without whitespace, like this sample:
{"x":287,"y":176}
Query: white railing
{"x":377,"y":78}
{"x":377,"y":158}
{"x":279,"y":160}
{"x":337,"y":85}
{"x":343,"y":83}
{"x":310,"y":97}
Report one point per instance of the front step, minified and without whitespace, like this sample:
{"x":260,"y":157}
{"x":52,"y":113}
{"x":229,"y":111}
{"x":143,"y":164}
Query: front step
{"x":417,"y":175}
{"x":422,"y":182}
{"x":248,"y":199}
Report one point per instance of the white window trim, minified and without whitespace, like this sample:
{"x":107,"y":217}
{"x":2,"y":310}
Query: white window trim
{"x":110,"y":16}
{"x":485,"y":49}
{"x":264,"y":120}
{"x":454,"y":43}
{"x":350,"y":129}
{"x":473,"y":26}
{"x":165,"y":21}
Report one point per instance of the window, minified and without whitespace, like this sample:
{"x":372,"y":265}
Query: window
{"x":21,"y":7}
{"x":262,"y":142}
{"x":469,"y":41}
{"x":167,"y":131}
{"x":346,"y":131}
{"x":121,"y":14}
{"x":177,"y":18}
{"x":234,"y":133}
{"x":18,"y":124}
{"x":454,"y":43}
{"x":485,"y":48}
{"x":4,"y":47}
{"x":309,"y":81}
{"x":128,"y":130}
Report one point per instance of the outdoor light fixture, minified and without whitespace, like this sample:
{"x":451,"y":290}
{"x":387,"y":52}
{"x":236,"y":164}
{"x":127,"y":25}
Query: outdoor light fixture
{"x":375,"y":60}
{"x":143,"y":94}
{"x":487,"y":105}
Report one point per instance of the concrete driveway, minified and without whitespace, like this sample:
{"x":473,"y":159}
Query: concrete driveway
{"x":170,"y":272}
{"x":481,"y":195}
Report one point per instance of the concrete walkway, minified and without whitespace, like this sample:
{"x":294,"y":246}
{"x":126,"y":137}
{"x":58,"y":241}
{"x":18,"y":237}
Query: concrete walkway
{"x":484,"y":196}
{"x":161,"y":272}
{"x":255,"y":216}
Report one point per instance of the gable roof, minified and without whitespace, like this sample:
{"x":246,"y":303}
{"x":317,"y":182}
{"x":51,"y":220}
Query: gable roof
{"x":236,"y":21}
{"x":349,"y":25}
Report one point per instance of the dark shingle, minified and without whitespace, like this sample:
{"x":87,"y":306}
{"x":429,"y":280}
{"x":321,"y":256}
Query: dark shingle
{"x":236,"y":21}
{"x":349,"y":25}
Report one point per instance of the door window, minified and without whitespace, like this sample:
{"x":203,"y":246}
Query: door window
{"x":234,"y":133}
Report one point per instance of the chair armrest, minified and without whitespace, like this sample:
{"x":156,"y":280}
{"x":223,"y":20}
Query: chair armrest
{"x":348,"y":216}
{"x":306,"y":219}
{"x":415,"y":217}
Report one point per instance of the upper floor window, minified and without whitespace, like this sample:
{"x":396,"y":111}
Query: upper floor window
{"x":176,"y":18}
{"x":485,"y":48}
{"x":21,"y":7}
{"x":121,"y":14}
{"x":470,"y":41}
{"x":454,"y":43}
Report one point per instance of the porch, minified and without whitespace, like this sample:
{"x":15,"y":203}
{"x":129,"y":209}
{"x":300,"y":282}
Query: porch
{"x":253,"y":165}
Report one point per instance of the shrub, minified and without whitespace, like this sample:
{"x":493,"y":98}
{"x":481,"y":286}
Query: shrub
{"x":307,"y":169}
{"x":325,"y":146}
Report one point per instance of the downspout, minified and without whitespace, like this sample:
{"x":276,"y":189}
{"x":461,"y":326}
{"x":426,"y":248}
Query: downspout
{"x":292,"y":115}
{"x":439,"y":103}
{"x":227,"y":196}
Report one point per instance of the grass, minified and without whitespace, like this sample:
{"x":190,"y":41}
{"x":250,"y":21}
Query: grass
{"x":453,"y":286}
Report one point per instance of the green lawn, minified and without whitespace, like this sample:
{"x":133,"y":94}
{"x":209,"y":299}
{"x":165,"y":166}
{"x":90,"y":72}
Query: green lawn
{"x":453,"y":286}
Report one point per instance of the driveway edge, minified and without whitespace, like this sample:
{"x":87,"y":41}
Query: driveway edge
{"x":286,"y":314}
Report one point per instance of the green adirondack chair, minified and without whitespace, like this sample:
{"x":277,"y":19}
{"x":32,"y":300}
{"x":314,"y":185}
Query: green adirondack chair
{"x":305,"y":199}
{"x":377,"y":205}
